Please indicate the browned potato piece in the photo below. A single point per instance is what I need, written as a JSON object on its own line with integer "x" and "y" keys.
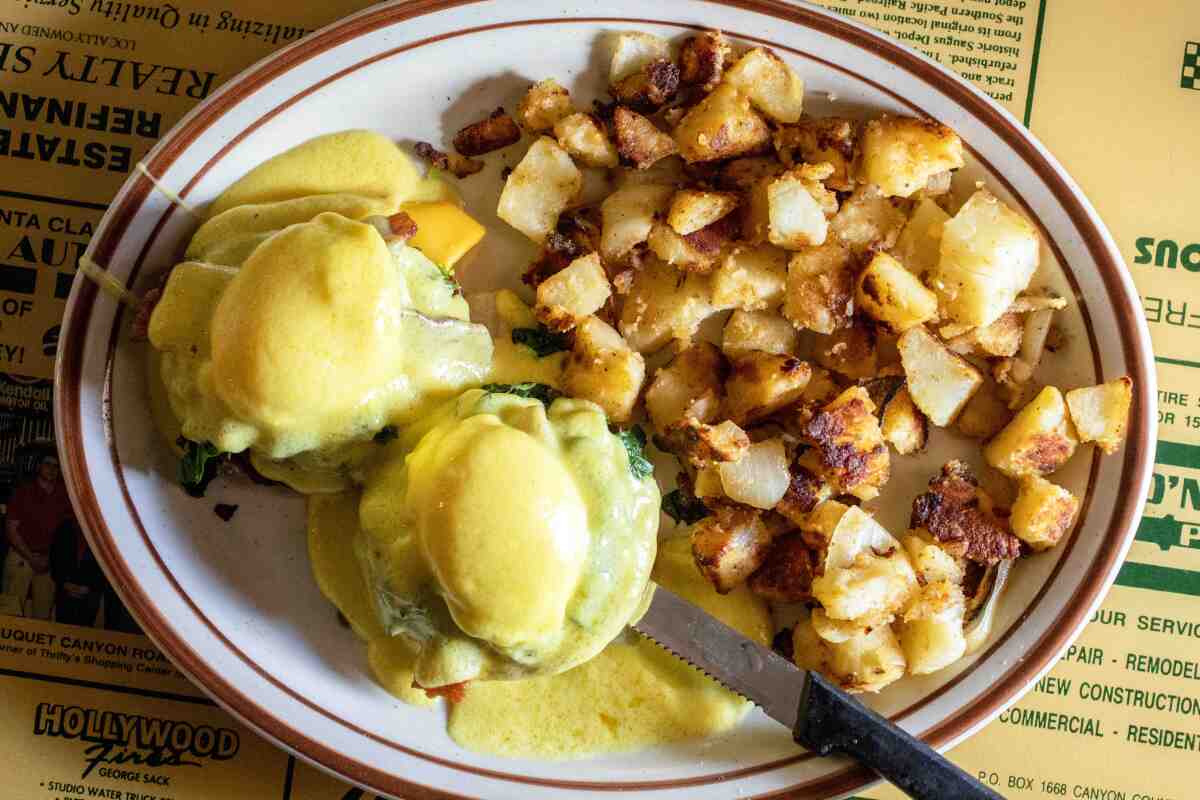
{"x": 901, "y": 154}
{"x": 817, "y": 140}
{"x": 572, "y": 294}
{"x": 869, "y": 221}
{"x": 730, "y": 545}
{"x": 1038, "y": 441}
{"x": 702, "y": 60}
{"x": 702, "y": 444}
{"x": 762, "y": 383}
{"x": 805, "y": 492}
{"x": 638, "y": 140}
{"x": 850, "y": 445}
{"x": 903, "y": 425}
{"x": 984, "y": 414}
{"x": 583, "y": 137}
{"x": 773, "y": 88}
{"x": 820, "y": 288}
{"x": 893, "y": 295}
{"x": 960, "y": 517}
{"x": 648, "y": 88}
{"x": 497, "y": 131}
{"x": 722, "y": 125}
{"x": 664, "y": 304}
{"x": 602, "y": 368}
{"x": 758, "y": 330}
{"x": 696, "y": 252}
{"x": 689, "y": 386}
{"x": 787, "y": 572}
{"x": 741, "y": 174}
{"x": 633, "y": 50}
{"x": 1101, "y": 413}
{"x": 918, "y": 247}
{"x": 1043, "y": 513}
{"x": 851, "y": 351}
{"x": 1000, "y": 338}
{"x": 693, "y": 209}
{"x": 543, "y": 105}
{"x": 751, "y": 278}
{"x": 627, "y": 216}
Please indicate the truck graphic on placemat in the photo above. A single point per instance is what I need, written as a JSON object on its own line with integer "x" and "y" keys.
{"x": 1168, "y": 532}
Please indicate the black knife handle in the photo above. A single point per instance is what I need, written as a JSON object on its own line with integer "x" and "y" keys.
{"x": 831, "y": 722}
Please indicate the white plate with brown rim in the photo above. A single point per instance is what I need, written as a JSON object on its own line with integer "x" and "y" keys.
{"x": 234, "y": 605}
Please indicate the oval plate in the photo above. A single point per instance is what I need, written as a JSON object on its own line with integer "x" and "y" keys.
{"x": 234, "y": 605}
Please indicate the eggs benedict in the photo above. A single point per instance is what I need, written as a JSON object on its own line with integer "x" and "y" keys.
{"x": 296, "y": 331}
{"x": 505, "y": 538}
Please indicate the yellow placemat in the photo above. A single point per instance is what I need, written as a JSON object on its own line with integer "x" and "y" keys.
{"x": 87, "y": 86}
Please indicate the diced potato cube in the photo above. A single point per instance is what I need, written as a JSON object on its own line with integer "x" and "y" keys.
{"x": 679, "y": 251}
{"x": 1100, "y": 413}
{"x": 627, "y": 215}
{"x": 1043, "y": 512}
{"x": 702, "y": 60}
{"x": 867, "y": 574}
{"x": 920, "y": 242}
{"x": 903, "y": 425}
{"x": 639, "y": 140}
{"x": 1038, "y": 441}
{"x": 893, "y": 295}
{"x": 602, "y": 368}
{"x": 633, "y": 50}
{"x": 860, "y": 660}
{"x": 703, "y": 444}
{"x": 930, "y": 560}
{"x": 650, "y": 87}
{"x": 849, "y": 444}
{"x": 868, "y": 220}
{"x": 795, "y": 212}
{"x": 572, "y": 294}
{"x": 722, "y": 125}
{"x": 758, "y": 330}
{"x": 584, "y": 138}
{"x": 985, "y": 413}
{"x": 741, "y": 174}
{"x": 543, "y": 105}
{"x": 820, "y": 288}
{"x": 539, "y": 189}
{"x": 931, "y": 630}
{"x": 772, "y": 86}
{"x": 901, "y": 154}
{"x": 693, "y": 209}
{"x": 729, "y": 545}
{"x": 760, "y": 477}
{"x": 821, "y": 140}
{"x": 690, "y": 385}
{"x": 751, "y": 278}
{"x": 988, "y": 256}
{"x": 762, "y": 383}
{"x": 851, "y": 351}
{"x": 939, "y": 381}
{"x": 664, "y": 304}
{"x": 787, "y": 572}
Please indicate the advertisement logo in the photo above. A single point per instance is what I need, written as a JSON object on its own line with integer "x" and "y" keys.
{"x": 117, "y": 742}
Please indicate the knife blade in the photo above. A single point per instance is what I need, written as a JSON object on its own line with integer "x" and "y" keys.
{"x": 821, "y": 716}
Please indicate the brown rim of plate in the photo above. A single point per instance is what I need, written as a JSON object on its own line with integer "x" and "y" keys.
{"x": 67, "y": 400}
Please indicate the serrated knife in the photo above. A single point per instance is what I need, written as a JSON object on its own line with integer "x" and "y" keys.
{"x": 822, "y": 718}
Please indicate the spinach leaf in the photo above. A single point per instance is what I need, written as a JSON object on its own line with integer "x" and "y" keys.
{"x": 198, "y": 466}
{"x": 386, "y": 434}
{"x": 683, "y": 506}
{"x": 634, "y": 440}
{"x": 541, "y": 340}
{"x": 537, "y": 391}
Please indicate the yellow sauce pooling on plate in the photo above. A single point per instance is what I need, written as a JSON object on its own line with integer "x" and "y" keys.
{"x": 633, "y": 695}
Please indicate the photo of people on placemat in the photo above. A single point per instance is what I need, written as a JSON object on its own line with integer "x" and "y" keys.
{"x": 49, "y": 572}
